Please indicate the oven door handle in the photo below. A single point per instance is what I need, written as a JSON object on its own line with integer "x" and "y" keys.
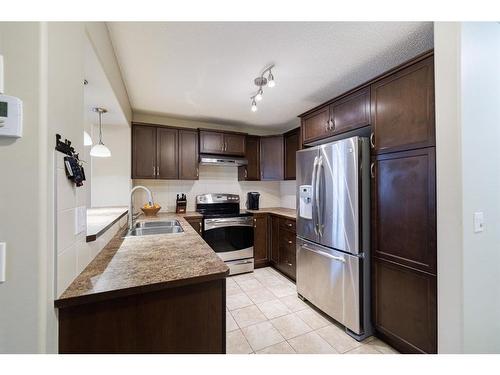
{"x": 224, "y": 224}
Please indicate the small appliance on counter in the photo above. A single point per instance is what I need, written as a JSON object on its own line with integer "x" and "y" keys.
{"x": 180, "y": 204}
{"x": 253, "y": 200}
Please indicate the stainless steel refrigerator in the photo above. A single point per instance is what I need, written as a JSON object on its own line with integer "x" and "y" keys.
{"x": 333, "y": 220}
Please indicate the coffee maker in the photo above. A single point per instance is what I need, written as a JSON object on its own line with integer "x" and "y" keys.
{"x": 253, "y": 200}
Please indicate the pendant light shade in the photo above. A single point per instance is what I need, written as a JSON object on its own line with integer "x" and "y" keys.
{"x": 100, "y": 150}
{"x": 87, "y": 140}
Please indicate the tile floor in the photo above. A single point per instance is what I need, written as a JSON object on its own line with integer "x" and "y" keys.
{"x": 265, "y": 316}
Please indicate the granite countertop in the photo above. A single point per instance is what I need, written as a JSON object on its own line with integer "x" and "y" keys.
{"x": 100, "y": 219}
{"x": 142, "y": 264}
{"x": 288, "y": 213}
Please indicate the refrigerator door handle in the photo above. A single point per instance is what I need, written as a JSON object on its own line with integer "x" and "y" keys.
{"x": 318, "y": 197}
{"x": 313, "y": 186}
{"x": 323, "y": 253}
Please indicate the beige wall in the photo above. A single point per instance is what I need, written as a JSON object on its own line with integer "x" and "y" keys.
{"x": 20, "y": 225}
{"x": 468, "y": 180}
{"x": 111, "y": 180}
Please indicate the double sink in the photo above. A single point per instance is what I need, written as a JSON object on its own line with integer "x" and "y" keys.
{"x": 147, "y": 228}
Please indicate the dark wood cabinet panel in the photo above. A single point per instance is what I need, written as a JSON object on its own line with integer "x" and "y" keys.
{"x": 196, "y": 223}
{"x": 402, "y": 106}
{"x": 351, "y": 112}
{"x": 405, "y": 208}
{"x": 251, "y": 172}
{"x": 271, "y": 158}
{"x": 316, "y": 125}
{"x": 181, "y": 320}
{"x": 211, "y": 142}
{"x": 234, "y": 144}
{"x": 274, "y": 245}
{"x": 188, "y": 155}
{"x": 405, "y": 307}
{"x": 287, "y": 253}
{"x": 292, "y": 144}
{"x": 260, "y": 247}
{"x": 167, "y": 153}
{"x": 143, "y": 152}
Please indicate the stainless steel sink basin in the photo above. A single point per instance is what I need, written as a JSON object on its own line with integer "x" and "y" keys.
{"x": 156, "y": 224}
{"x": 154, "y": 230}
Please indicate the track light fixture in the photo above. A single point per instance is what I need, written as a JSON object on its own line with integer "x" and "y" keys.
{"x": 260, "y": 81}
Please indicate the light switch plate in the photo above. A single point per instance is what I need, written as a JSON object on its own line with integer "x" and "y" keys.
{"x": 3, "y": 261}
{"x": 478, "y": 222}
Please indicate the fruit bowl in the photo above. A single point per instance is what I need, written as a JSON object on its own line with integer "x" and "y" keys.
{"x": 151, "y": 210}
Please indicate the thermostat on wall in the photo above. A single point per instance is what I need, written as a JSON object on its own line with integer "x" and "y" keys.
{"x": 11, "y": 112}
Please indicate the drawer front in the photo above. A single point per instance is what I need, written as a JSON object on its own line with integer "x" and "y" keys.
{"x": 287, "y": 224}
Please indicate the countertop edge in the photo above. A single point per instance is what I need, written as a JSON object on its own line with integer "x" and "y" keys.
{"x": 95, "y": 236}
{"x": 141, "y": 289}
{"x": 271, "y": 211}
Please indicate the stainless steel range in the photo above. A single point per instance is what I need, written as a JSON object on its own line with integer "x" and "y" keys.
{"x": 228, "y": 231}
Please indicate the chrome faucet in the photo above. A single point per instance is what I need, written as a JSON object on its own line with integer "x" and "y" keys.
{"x": 131, "y": 204}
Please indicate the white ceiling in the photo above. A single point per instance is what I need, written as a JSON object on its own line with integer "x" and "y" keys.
{"x": 205, "y": 71}
{"x": 99, "y": 93}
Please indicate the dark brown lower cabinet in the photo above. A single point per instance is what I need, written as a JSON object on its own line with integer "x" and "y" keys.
{"x": 260, "y": 247}
{"x": 405, "y": 307}
{"x": 196, "y": 223}
{"x": 187, "y": 319}
{"x": 282, "y": 247}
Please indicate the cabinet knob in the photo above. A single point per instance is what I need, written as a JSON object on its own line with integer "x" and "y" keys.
{"x": 290, "y": 242}
{"x": 289, "y": 224}
{"x": 246, "y": 173}
{"x": 372, "y": 170}
{"x": 372, "y": 141}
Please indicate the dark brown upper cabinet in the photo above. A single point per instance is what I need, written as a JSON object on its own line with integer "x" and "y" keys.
{"x": 188, "y": 155}
{"x": 144, "y": 152}
{"x": 161, "y": 152}
{"x": 347, "y": 113}
{"x": 271, "y": 158}
{"x": 404, "y": 208}
{"x": 292, "y": 145}
{"x": 402, "y": 107}
{"x": 315, "y": 125}
{"x": 167, "y": 151}
{"x": 222, "y": 143}
{"x": 251, "y": 171}
{"x": 351, "y": 112}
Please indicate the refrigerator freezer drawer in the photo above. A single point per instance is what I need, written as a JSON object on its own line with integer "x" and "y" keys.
{"x": 330, "y": 280}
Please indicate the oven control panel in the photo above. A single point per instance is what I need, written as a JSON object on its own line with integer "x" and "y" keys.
{"x": 217, "y": 198}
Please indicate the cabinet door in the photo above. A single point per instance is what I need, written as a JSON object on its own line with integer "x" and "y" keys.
{"x": 271, "y": 158}
{"x": 234, "y": 144}
{"x": 167, "y": 152}
{"x": 251, "y": 172}
{"x": 351, "y": 112}
{"x": 275, "y": 240}
{"x": 405, "y": 307}
{"x": 316, "y": 125}
{"x": 260, "y": 248}
{"x": 402, "y": 108}
{"x": 405, "y": 208}
{"x": 211, "y": 142}
{"x": 292, "y": 142}
{"x": 188, "y": 155}
{"x": 287, "y": 253}
{"x": 143, "y": 152}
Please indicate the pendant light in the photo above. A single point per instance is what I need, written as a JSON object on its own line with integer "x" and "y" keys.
{"x": 99, "y": 150}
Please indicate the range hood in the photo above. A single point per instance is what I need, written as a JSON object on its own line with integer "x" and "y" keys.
{"x": 226, "y": 161}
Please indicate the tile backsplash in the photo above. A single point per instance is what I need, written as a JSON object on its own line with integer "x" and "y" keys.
{"x": 216, "y": 179}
